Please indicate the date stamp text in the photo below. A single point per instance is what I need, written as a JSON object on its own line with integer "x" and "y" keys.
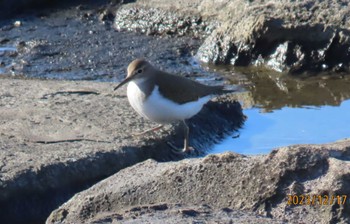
{"x": 316, "y": 199}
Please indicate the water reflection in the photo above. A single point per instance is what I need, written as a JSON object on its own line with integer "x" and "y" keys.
{"x": 272, "y": 90}
{"x": 287, "y": 110}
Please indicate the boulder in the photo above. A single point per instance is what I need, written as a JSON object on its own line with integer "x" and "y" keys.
{"x": 297, "y": 184}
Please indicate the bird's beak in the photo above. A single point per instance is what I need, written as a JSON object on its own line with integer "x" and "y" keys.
{"x": 126, "y": 80}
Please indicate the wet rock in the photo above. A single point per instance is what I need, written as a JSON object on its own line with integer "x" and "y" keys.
{"x": 59, "y": 137}
{"x": 259, "y": 184}
{"x": 80, "y": 43}
{"x": 285, "y": 36}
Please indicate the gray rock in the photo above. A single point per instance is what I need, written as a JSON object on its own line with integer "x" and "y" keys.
{"x": 260, "y": 185}
{"x": 289, "y": 36}
{"x": 161, "y": 22}
{"x": 59, "y": 137}
{"x": 179, "y": 213}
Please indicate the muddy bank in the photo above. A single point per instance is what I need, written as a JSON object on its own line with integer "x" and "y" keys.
{"x": 59, "y": 137}
{"x": 287, "y": 36}
{"x": 260, "y": 185}
{"x": 79, "y": 42}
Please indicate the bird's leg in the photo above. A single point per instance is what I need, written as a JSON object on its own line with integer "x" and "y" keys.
{"x": 186, "y": 133}
{"x": 148, "y": 130}
{"x": 186, "y": 140}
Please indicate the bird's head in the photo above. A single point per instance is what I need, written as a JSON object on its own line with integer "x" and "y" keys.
{"x": 137, "y": 69}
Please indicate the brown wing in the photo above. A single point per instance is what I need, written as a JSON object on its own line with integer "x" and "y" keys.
{"x": 183, "y": 90}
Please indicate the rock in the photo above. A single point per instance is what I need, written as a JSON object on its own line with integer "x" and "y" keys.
{"x": 287, "y": 36}
{"x": 160, "y": 22}
{"x": 178, "y": 213}
{"x": 258, "y": 184}
{"x": 59, "y": 137}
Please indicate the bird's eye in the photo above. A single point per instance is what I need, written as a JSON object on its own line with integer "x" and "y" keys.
{"x": 139, "y": 71}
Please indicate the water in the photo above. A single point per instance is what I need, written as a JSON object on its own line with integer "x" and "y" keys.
{"x": 4, "y": 49}
{"x": 264, "y": 131}
{"x": 282, "y": 110}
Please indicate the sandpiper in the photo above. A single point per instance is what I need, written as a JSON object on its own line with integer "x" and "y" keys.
{"x": 164, "y": 98}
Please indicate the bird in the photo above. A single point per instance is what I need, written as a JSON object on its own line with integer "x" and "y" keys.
{"x": 165, "y": 98}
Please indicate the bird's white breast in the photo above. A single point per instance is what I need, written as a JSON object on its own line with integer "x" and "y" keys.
{"x": 157, "y": 108}
{"x": 136, "y": 97}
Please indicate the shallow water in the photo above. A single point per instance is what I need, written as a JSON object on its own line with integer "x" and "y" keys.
{"x": 4, "y": 49}
{"x": 284, "y": 110}
{"x": 264, "y": 131}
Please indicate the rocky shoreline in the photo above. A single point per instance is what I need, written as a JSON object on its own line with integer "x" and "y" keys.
{"x": 285, "y": 36}
{"x": 59, "y": 138}
{"x": 228, "y": 182}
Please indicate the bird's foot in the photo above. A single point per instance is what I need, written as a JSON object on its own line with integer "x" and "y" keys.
{"x": 180, "y": 151}
{"x": 148, "y": 130}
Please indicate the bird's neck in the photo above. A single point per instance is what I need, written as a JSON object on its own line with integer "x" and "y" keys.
{"x": 146, "y": 85}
